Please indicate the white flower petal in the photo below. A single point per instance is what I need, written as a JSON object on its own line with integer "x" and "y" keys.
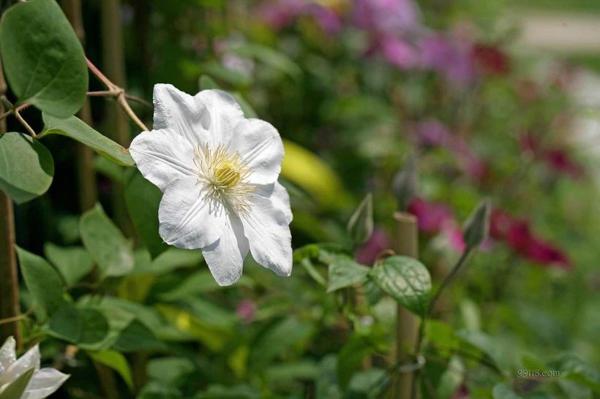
{"x": 187, "y": 219}
{"x": 43, "y": 383}
{"x": 223, "y": 114}
{"x": 261, "y": 148}
{"x": 8, "y": 354}
{"x": 179, "y": 111}
{"x": 31, "y": 359}
{"x": 225, "y": 257}
{"x": 163, "y": 156}
{"x": 266, "y": 226}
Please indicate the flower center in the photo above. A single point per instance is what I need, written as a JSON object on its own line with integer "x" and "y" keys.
{"x": 227, "y": 175}
{"x": 224, "y": 173}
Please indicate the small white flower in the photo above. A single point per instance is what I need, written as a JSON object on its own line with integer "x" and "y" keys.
{"x": 43, "y": 382}
{"x": 218, "y": 173}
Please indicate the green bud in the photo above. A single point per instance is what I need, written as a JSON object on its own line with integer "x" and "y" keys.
{"x": 404, "y": 185}
{"x": 477, "y": 225}
{"x": 360, "y": 225}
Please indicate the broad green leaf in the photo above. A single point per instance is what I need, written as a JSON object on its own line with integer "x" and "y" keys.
{"x": 82, "y": 326}
{"x": 310, "y": 173}
{"x": 208, "y": 83}
{"x": 406, "y": 280}
{"x": 17, "y": 387}
{"x": 105, "y": 242}
{"x": 115, "y": 361}
{"x": 196, "y": 284}
{"x": 171, "y": 259}
{"x": 42, "y": 281}
{"x": 351, "y": 356}
{"x": 43, "y": 59}
{"x": 78, "y": 130}
{"x": 26, "y": 167}
{"x": 287, "y": 372}
{"x": 226, "y": 75}
{"x": 142, "y": 199}
{"x": 229, "y": 392}
{"x": 345, "y": 272}
{"x": 169, "y": 370}
{"x": 137, "y": 337}
{"x": 451, "y": 379}
{"x": 73, "y": 263}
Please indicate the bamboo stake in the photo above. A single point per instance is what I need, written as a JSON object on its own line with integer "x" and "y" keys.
{"x": 407, "y": 324}
{"x": 9, "y": 281}
{"x": 113, "y": 60}
{"x": 86, "y": 175}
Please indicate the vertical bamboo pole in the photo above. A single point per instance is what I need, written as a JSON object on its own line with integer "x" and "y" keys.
{"x": 9, "y": 281}
{"x": 113, "y": 61}
{"x": 407, "y": 324}
{"x": 88, "y": 193}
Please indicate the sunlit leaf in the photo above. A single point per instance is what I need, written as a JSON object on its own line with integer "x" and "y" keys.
{"x": 80, "y": 131}
{"x": 43, "y": 59}
{"x": 406, "y": 280}
{"x": 26, "y": 167}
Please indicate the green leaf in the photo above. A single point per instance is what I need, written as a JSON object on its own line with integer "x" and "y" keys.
{"x": 279, "y": 339}
{"x": 42, "y": 281}
{"x": 345, "y": 272}
{"x": 137, "y": 337}
{"x": 81, "y": 326}
{"x": 360, "y": 225}
{"x": 43, "y": 59}
{"x": 26, "y": 167}
{"x": 208, "y": 83}
{"x": 115, "y": 361}
{"x": 406, "y": 280}
{"x": 350, "y": 357}
{"x": 196, "y": 284}
{"x": 270, "y": 57}
{"x": 17, "y": 388}
{"x": 105, "y": 242}
{"x": 73, "y": 263}
{"x": 80, "y": 131}
{"x": 142, "y": 199}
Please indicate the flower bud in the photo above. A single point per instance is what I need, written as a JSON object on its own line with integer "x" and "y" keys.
{"x": 476, "y": 227}
{"x": 360, "y": 225}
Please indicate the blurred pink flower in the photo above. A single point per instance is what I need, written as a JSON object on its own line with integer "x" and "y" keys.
{"x": 436, "y": 218}
{"x": 387, "y": 17}
{"x": 560, "y": 161}
{"x": 517, "y": 234}
{"x": 375, "y": 245}
{"x": 450, "y": 56}
{"x": 283, "y": 13}
{"x": 398, "y": 52}
{"x": 432, "y": 133}
{"x": 246, "y": 311}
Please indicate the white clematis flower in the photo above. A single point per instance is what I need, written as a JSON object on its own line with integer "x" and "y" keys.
{"x": 43, "y": 382}
{"x": 218, "y": 173}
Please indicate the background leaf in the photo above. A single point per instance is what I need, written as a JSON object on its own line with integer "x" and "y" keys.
{"x": 43, "y": 282}
{"x": 406, "y": 280}
{"x": 142, "y": 199}
{"x": 345, "y": 272}
{"x": 26, "y": 167}
{"x": 43, "y": 59}
{"x": 73, "y": 262}
{"x": 105, "y": 242}
{"x": 115, "y": 361}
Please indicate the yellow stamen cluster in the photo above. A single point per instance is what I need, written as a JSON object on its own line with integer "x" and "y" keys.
{"x": 225, "y": 174}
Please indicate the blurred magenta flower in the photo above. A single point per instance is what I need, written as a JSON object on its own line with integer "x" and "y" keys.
{"x": 517, "y": 234}
{"x": 246, "y": 311}
{"x": 560, "y": 161}
{"x": 432, "y": 133}
{"x": 491, "y": 59}
{"x": 280, "y": 14}
{"x": 375, "y": 245}
{"x": 387, "y": 17}
{"x": 437, "y": 218}
{"x": 398, "y": 52}
{"x": 450, "y": 56}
